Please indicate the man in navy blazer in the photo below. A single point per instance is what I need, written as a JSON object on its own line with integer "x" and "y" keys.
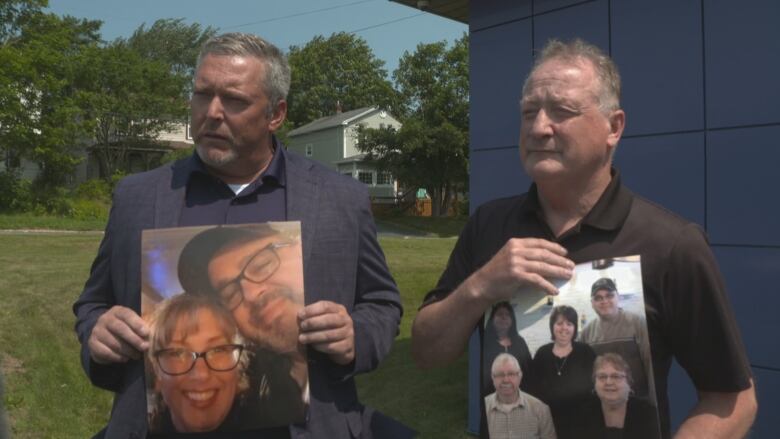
{"x": 241, "y": 174}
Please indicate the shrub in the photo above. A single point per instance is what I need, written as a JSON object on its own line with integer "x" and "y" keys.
{"x": 85, "y": 209}
{"x": 15, "y": 193}
{"x": 54, "y": 201}
{"x": 95, "y": 189}
{"x": 118, "y": 175}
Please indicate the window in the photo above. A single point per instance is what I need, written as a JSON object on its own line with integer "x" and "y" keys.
{"x": 347, "y": 173}
{"x": 384, "y": 178}
{"x": 309, "y": 149}
{"x": 366, "y": 177}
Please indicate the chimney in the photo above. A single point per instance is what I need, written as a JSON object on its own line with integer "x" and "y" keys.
{"x": 338, "y": 107}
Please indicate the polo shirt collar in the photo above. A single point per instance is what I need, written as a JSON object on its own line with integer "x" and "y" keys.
{"x": 609, "y": 212}
{"x": 274, "y": 172}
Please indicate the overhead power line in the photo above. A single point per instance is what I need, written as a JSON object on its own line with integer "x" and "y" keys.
{"x": 385, "y": 23}
{"x": 299, "y": 14}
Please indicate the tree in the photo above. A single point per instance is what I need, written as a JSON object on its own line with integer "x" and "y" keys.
{"x": 40, "y": 108}
{"x": 128, "y": 101}
{"x": 138, "y": 87}
{"x": 340, "y": 69}
{"x": 172, "y": 42}
{"x": 13, "y": 13}
{"x": 62, "y": 89}
{"x": 431, "y": 148}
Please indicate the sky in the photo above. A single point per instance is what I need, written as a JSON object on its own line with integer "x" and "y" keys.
{"x": 388, "y": 28}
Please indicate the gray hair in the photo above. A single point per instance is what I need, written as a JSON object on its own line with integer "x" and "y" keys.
{"x": 578, "y": 50}
{"x": 617, "y": 362}
{"x": 277, "y": 75}
{"x": 505, "y": 358}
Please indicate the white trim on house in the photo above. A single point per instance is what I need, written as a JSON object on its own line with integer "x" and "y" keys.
{"x": 353, "y": 118}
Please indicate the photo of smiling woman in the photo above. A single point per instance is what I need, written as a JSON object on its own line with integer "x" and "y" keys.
{"x": 198, "y": 362}
{"x": 501, "y": 336}
{"x": 615, "y": 413}
{"x": 562, "y": 371}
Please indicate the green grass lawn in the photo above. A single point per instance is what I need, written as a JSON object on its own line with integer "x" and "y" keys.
{"x": 48, "y": 395}
{"x": 442, "y": 227}
{"x": 15, "y": 221}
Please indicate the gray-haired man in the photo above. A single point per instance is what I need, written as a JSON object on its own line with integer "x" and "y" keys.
{"x": 577, "y": 211}
{"x": 512, "y": 413}
{"x": 242, "y": 174}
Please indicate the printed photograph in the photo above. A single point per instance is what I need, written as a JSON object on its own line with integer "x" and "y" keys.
{"x": 575, "y": 365}
{"x": 222, "y": 304}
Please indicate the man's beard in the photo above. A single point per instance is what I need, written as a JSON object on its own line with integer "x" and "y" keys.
{"x": 217, "y": 158}
{"x": 278, "y": 337}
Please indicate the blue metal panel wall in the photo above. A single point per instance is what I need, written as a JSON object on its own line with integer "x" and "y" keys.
{"x": 700, "y": 92}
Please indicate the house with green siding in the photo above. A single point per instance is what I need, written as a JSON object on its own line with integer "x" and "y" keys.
{"x": 332, "y": 141}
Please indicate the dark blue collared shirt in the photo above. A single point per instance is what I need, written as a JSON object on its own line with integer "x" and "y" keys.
{"x": 209, "y": 201}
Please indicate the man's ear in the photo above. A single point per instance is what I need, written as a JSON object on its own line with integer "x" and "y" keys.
{"x": 278, "y": 116}
{"x": 617, "y": 122}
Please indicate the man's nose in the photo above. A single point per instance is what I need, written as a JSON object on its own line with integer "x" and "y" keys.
{"x": 215, "y": 109}
{"x": 251, "y": 290}
{"x": 541, "y": 125}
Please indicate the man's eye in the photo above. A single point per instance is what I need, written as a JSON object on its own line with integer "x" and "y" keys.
{"x": 235, "y": 102}
{"x": 529, "y": 113}
{"x": 229, "y": 291}
{"x": 260, "y": 267}
{"x": 563, "y": 112}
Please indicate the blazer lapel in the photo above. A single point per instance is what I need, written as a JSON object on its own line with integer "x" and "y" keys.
{"x": 302, "y": 200}
{"x": 170, "y": 196}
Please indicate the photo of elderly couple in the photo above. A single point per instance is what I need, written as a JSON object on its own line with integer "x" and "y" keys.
{"x": 220, "y": 360}
{"x": 575, "y": 365}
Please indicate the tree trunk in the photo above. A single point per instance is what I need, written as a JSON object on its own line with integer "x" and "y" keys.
{"x": 435, "y": 195}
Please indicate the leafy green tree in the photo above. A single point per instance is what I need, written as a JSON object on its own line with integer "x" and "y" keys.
{"x": 40, "y": 108}
{"x": 340, "y": 69}
{"x": 62, "y": 89}
{"x": 128, "y": 101}
{"x": 13, "y": 13}
{"x": 431, "y": 149}
{"x": 171, "y": 41}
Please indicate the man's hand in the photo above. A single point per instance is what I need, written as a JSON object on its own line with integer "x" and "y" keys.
{"x": 119, "y": 335}
{"x": 328, "y": 328}
{"x": 441, "y": 330}
{"x": 521, "y": 263}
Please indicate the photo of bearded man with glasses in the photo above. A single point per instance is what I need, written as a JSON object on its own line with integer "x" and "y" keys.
{"x": 256, "y": 273}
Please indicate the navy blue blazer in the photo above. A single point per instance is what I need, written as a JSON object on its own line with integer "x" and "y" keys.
{"x": 342, "y": 263}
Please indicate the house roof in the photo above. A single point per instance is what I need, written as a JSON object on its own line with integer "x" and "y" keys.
{"x": 457, "y": 10}
{"x": 322, "y": 123}
{"x": 350, "y": 159}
